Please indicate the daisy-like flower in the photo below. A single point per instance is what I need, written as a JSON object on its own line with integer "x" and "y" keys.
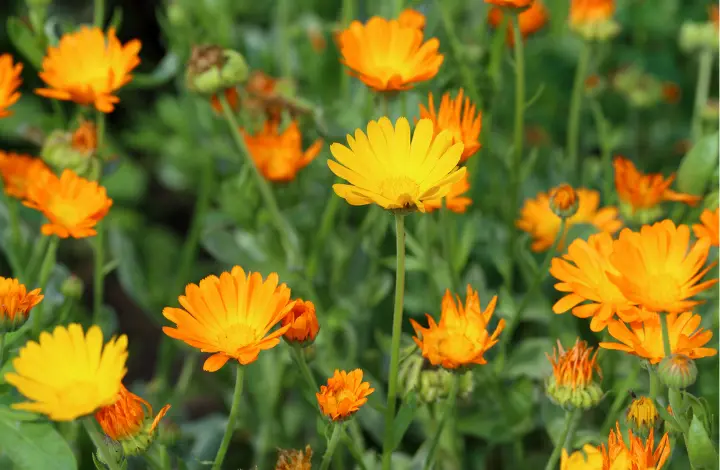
{"x": 530, "y": 20}
{"x": 461, "y": 338}
{"x": 388, "y": 56}
{"x": 15, "y": 303}
{"x": 589, "y": 458}
{"x": 69, "y": 374}
{"x": 644, "y": 339}
{"x": 279, "y": 155}
{"x": 591, "y": 11}
{"x": 10, "y": 81}
{"x": 88, "y": 68}
{"x": 72, "y": 205}
{"x": 412, "y": 19}
{"x": 572, "y": 383}
{"x": 454, "y": 199}
{"x": 294, "y": 459}
{"x": 459, "y": 118}
{"x": 344, "y": 394}
{"x": 709, "y": 226}
{"x": 538, "y": 219}
{"x": 231, "y": 316}
{"x": 638, "y": 455}
{"x": 18, "y": 171}
{"x": 386, "y": 168}
{"x": 655, "y": 269}
{"x": 303, "y": 322}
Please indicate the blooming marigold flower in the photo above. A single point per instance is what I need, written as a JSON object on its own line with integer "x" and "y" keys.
{"x": 386, "y": 168}
{"x": 387, "y": 56}
{"x": 638, "y": 456}
{"x": 457, "y": 117}
{"x": 15, "y": 303}
{"x": 294, "y": 459}
{"x": 343, "y": 395}
{"x": 591, "y": 11}
{"x": 530, "y": 21}
{"x": 644, "y": 339}
{"x": 410, "y": 18}
{"x": 230, "y": 316}
{"x": 655, "y": 269}
{"x": 87, "y": 68}
{"x": 589, "y": 458}
{"x": 69, "y": 374}
{"x": 303, "y": 322}
{"x": 709, "y": 227}
{"x": 572, "y": 383}
{"x": 18, "y": 171}
{"x": 461, "y": 338}
{"x": 10, "y": 81}
{"x": 73, "y": 205}
{"x": 538, "y": 219}
{"x": 454, "y": 199}
{"x": 278, "y": 155}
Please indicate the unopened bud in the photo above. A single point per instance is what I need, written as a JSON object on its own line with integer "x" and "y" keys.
{"x": 641, "y": 416}
{"x": 698, "y": 36}
{"x": 564, "y": 201}
{"x": 72, "y": 287}
{"x": 73, "y": 150}
{"x": 212, "y": 69}
{"x": 600, "y": 31}
{"x": 677, "y": 371}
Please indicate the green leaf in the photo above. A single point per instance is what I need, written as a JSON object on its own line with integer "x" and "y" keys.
{"x": 698, "y": 166}
{"x": 32, "y": 446}
{"x": 130, "y": 272}
{"x": 528, "y": 359}
{"x": 405, "y": 416}
{"x": 8, "y": 414}
{"x": 25, "y": 41}
{"x": 464, "y": 246}
{"x": 701, "y": 450}
{"x": 163, "y": 73}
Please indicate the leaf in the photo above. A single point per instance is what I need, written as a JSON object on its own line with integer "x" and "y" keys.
{"x": 404, "y": 418}
{"x": 698, "y": 166}
{"x": 163, "y": 73}
{"x": 464, "y": 246}
{"x": 25, "y": 41}
{"x": 701, "y": 450}
{"x": 582, "y": 231}
{"x": 32, "y": 446}
{"x": 130, "y": 272}
{"x": 528, "y": 359}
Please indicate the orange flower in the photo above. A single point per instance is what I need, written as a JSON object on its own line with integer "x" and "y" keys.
{"x": 454, "y": 199}
{"x": 644, "y": 191}
{"x": 230, "y": 316}
{"x": 294, "y": 459}
{"x": 564, "y": 200}
{"x": 709, "y": 226}
{"x": 344, "y": 394}
{"x": 84, "y": 139}
{"x": 15, "y": 303}
{"x": 655, "y": 269}
{"x": 530, "y": 20}
{"x": 9, "y": 83}
{"x": 538, "y": 219}
{"x": 639, "y": 456}
{"x": 388, "y": 56}
{"x": 576, "y": 367}
{"x": 18, "y": 171}
{"x": 644, "y": 339}
{"x": 591, "y": 11}
{"x": 303, "y": 322}
{"x": 279, "y": 156}
{"x": 461, "y": 338}
{"x": 87, "y": 68}
{"x": 510, "y": 3}
{"x": 126, "y": 417}
{"x": 410, "y": 18}
{"x": 457, "y": 117}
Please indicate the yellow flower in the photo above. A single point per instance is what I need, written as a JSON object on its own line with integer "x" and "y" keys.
{"x": 641, "y": 415}
{"x": 388, "y": 56}
{"x": 709, "y": 226}
{"x": 18, "y": 171}
{"x": 638, "y": 456}
{"x": 454, "y": 199}
{"x": 459, "y": 118}
{"x": 69, "y": 374}
{"x": 385, "y": 168}
{"x": 591, "y": 11}
{"x": 530, "y": 20}
{"x": 589, "y": 458}
{"x": 294, "y": 459}
{"x": 644, "y": 339}
{"x": 461, "y": 338}
{"x": 231, "y": 316}
{"x": 410, "y": 18}
{"x": 10, "y": 81}
{"x": 15, "y": 303}
{"x": 343, "y": 395}
{"x": 303, "y": 322}
{"x": 87, "y": 68}
{"x": 655, "y": 269}
{"x": 538, "y": 219}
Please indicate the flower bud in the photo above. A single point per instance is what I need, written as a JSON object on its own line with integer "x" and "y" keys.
{"x": 212, "y": 69}
{"x": 15, "y": 304}
{"x": 75, "y": 151}
{"x": 466, "y": 385}
{"x": 564, "y": 201}
{"x": 709, "y": 112}
{"x": 698, "y": 36}
{"x": 600, "y": 31}
{"x": 292, "y": 459}
{"x": 72, "y": 287}
{"x": 572, "y": 384}
{"x": 410, "y": 369}
{"x": 303, "y": 322}
{"x": 677, "y": 371}
{"x": 641, "y": 416}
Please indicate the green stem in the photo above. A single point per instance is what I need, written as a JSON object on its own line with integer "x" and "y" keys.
{"x": 705, "y": 70}
{"x": 165, "y": 463}
{"x": 447, "y": 416}
{"x": 497, "y": 47}
{"x": 99, "y": 13}
{"x": 234, "y": 410}
{"x": 395, "y": 342}
{"x": 355, "y": 451}
{"x": 283, "y": 30}
{"x": 655, "y": 385}
{"x": 606, "y": 151}
{"x": 447, "y": 246}
{"x": 39, "y": 250}
{"x": 301, "y": 363}
{"x": 667, "y": 348}
{"x": 98, "y": 271}
{"x": 99, "y": 440}
{"x": 100, "y": 135}
{"x": 332, "y": 445}
{"x": 575, "y": 108}
{"x": 570, "y": 417}
{"x": 45, "y": 270}
{"x": 2, "y": 348}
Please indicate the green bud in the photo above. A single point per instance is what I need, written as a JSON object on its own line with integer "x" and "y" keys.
{"x": 600, "y": 31}
{"x": 564, "y": 201}
{"x": 640, "y": 216}
{"x": 677, "y": 371}
{"x": 698, "y": 36}
{"x": 72, "y": 287}
{"x": 466, "y": 385}
{"x": 582, "y": 397}
{"x": 410, "y": 369}
{"x": 213, "y": 69}
{"x": 64, "y": 150}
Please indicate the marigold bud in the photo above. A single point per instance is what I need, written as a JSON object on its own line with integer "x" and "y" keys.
{"x": 294, "y": 459}
{"x": 212, "y": 69}
{"x": 564, "y": 201}
{"x": 601, "y": 30}
{"x": 72, "y": 287}
{"x": 677, "y": 371}
{"x": 698, "y": 36}
{"x": 15, "y": 304}
{"x": 641, "y": 416}
{"x": 303, "y": 322}
{"x": 572, "y": 384}
{"x": 75, "y": 151}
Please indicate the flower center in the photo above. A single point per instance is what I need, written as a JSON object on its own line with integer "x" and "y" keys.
{"x": 402, "y": 191}
{"x": 238, "y": 336}
{"x": 66, "y": 212}
{"x": 662, "y": 290}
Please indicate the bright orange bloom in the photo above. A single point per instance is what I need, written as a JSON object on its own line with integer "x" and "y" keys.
{"x": 655, "y": 269}
{"x": 412, "y": 19}
{"x": 457, "y": 117}
{"x": 84, "y": 138}
{"x": 510, "y": 3}
{"x": 461, "y": 338}
{"x": 538, "y": 219}
{"x": 531, "y": 20}
{"x": 644, "y": 339}
{"x": 86, "y": 67}
{"x": 126, "y": 417}
{"x": 388, "y": 56}
{"x": 639, "y": 456}
{"x": 303, "y": 322}
{"x": 591, "y": 11}
{"x": 344, "y": 394}
{"x": 72, "y": 204}
{"x": 294, "y": 459}
{"x": 644, "y": 191}
{"x": 279, "y": 156}
{"x": 15, "y": 303}
{"x": 10, "y": 81}
{"x": 576, "y": 367}
{"x": 18, "y": 171}
{"x": 230, "y": 316}
{"x": 454, "y": 199}
{"x": 709, "y": 227}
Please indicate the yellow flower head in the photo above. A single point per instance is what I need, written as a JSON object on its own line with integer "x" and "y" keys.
{"x": 86, "y": 67}
{"x": 69, "y": 374}
{"x": 128, "y": 416}
{"x": 386, "y": 168}
{"x": 591, "y": 11}
{"x": 10, "y": 81}
{"x": 461, "y": 338}
{"x": 410, "y": 18}
{"x": 589, "y": 458}
{"x": 388, "y": 56}
{"x": 644, "y": 339}
{"x": 454, "y": 199}
{"x": 641, "y": 415}
{"x": 343, "y": 395}
{"x": 709, "y": 226}
{"x": 294, "y": 459}
{"x": 15, "y": 303}
{"x": 303, "y": 322}
{"x": 18, "y": 171}
{"x": 459, "y": 118}
{"x": 655, "y": 269}
{"x": 638, "y": 456}
{"x": 231, "y": 316}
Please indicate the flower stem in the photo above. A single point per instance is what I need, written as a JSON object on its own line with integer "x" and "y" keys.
{"x": 99, "y": 13}
{"x": 570, "y": 418}
{"x": 702, "y": 88}
{"x": 355, "y": 451}
{"x": 447, "y": 415}
{"x": 601, "y": 125}
{"x": 575, "y": 108}
{"x": 395, "y": 342}
{"x": 38, "y": 251}
{"x": 99, "y": 440}
{"x": 45, "y": 270}
{"x": 283, "y": 31}
{"x": 2, "y": 348}
{"x": 98, "y": 271}
{"x": 332, "y": 445}
{"x": 655, "y": 385}
{"x": 234, "y": 410}
{"x": 667, "y": 348}
{"x": 447, "y": 245}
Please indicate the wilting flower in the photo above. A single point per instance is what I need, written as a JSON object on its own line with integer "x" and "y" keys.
{"x": 279, "y": 155}
{"x": 343, "y": 395}
{"x": 18, "y": 171}
{"x": 641, "y": 415}
{"x": 461, "y": 338}
{"x": 212, "y": 69}
{"x": 638, "y": 456}
{"x": 572, "y": 383}
{"x": 15, "y": 303}
{"x": 230, "y": 316}
{"x": 511, "y": 3}
{"x": 10, "y": 81}
{"x": 530, "y": 21}
{"x": 366, "y": 51}
{"x": 303, "y": 322}
{"x": 459, "y": 118}
{"x": 655, "y": 269}
{"x": 410, "y": 18}
{"x": 87, "y": 68}
{"x": 538, "y": 219}
{"x": 709, "y": 226}
{"x": 69, "y": 374}
{"x": 386, "y": 168}
{"x": 589, "y": 458}
{"x": 564, "y": 201}
{"x": 72, "y": 205}
{"x": 454, "y": 199}
{"x": 644, "y": 339}
{"x": 294, "y": 459}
